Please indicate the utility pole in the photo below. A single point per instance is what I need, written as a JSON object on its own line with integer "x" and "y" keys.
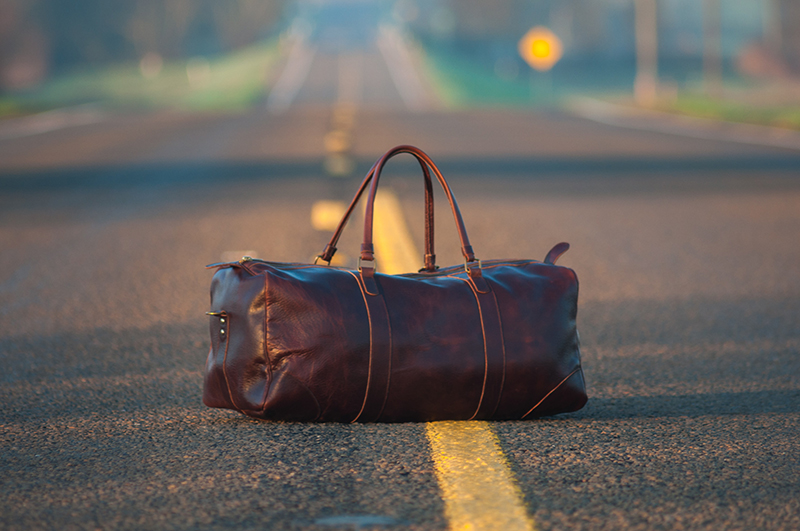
{"x": 712, "y": 48}
{"x": 645, "y": 87}
{"x": 773, "y": 30}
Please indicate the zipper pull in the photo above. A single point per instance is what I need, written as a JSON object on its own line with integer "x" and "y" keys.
{"x": 246, "y": 258}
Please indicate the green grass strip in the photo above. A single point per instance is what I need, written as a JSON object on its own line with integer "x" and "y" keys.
{"x": 232, "y": 82}
{"x": 732, "y": 110}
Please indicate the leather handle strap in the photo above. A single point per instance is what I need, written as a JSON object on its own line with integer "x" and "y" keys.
{"x": 367, "y": 250}
{"x": 430, "y": 256}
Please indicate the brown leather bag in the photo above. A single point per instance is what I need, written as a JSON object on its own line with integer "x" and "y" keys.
{"x": 491, "y": 339}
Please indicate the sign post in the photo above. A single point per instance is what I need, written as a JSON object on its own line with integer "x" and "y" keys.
{"x": 541, "y": 49}
{"x": 645, "y": 87}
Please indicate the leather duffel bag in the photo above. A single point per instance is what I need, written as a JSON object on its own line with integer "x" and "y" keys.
{"x": 491, "y": 339}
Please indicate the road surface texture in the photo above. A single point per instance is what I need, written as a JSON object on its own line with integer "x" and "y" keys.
{"x": 689, "y": 262}
{"x": 687, "y": 251}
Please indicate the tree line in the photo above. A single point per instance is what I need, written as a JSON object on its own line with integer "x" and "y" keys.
{"x": 39, "y": 37}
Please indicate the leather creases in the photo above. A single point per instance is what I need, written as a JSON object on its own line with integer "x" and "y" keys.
{"x": 487, "y": 339}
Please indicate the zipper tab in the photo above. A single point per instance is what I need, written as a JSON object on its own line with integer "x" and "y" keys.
{"x": 246, "y": 259}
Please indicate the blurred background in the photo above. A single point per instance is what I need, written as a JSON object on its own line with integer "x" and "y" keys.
{"x": 732, "y": 59}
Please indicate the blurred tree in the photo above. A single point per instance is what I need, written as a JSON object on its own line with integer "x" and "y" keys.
{"x": 241, "y": 22}
{"x": 773, "y": 32}
{"x": 789, "y": 13}
{"x": 645, "y": 86}
{"x": 38, "y": 36}
{"x": 24, "y": 57}
{"x": 477, "y": 18}
{"x": 159, "y": 26}
{"x": 85, "y": 32}
{"x": 712, "y": 48}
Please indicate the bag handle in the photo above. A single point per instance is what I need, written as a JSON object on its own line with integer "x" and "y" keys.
{"x": 430, "y": 256}
{"x": 367, "y": 249}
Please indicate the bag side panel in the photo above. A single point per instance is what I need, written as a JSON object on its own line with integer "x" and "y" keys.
{"x": 438, "y": 360}
{"x": 239, "y": 375}
{"x": 319, "y": 344}
{"x": 538, "y": 305}
{"x": 215, "y": 388}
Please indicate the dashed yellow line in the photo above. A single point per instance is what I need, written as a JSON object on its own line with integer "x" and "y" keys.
{"x": 478, "y": 487}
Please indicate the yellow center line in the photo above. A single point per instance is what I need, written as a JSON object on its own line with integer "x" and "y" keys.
{"x": 478, "y": 488}
{"x": 395, "y": 251}
{"x": 325, "y": 215}
{"x": 477, "y": 485}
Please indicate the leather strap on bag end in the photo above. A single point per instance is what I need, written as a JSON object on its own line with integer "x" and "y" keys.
{"x": 556, "y": 252}
{"x": 380, "y": 350}
{"x": 367, "y": 274}
{"x": 475, "y": 276}
{"x": 494, "y": 352}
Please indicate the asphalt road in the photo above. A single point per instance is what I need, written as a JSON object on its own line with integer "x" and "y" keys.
{"x": 687, "y": 251}
{"x": 689, "y": 314}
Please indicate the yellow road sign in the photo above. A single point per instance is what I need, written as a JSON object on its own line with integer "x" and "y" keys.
{"x": 540, "y": 48}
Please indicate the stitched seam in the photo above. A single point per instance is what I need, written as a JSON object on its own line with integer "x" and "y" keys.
{"x": 488, "y": 289}
{"x": 290, "y": 266}
{"x": 366, "y": 290}
{"x": 225, "y": 364}
{"x": 492, "y": 266}
{"x": 485, "y": 348}
{"x": 503, "y": 350}
{"x": 583, "y": 378}
{"x": 369, "y": 369}
{"x": 389, "y": 377}
{"x": 570, "y": 375}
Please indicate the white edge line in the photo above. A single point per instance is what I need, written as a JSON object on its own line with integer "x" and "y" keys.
{"x": 48, "y": 121}
{"x": 401, "y": 69}
{"x": 688, "y": 126}
{"x": 294, "y": 74}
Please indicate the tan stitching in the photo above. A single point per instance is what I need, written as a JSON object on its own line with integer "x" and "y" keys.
{"x": 389, "y": 378}
{"x": 485, "y": 346}
{"x": 503, "y": 345}
{"x": 576, "y": 369}
{"x": 455, "y": 274}
{"x": 369, "y": 367}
